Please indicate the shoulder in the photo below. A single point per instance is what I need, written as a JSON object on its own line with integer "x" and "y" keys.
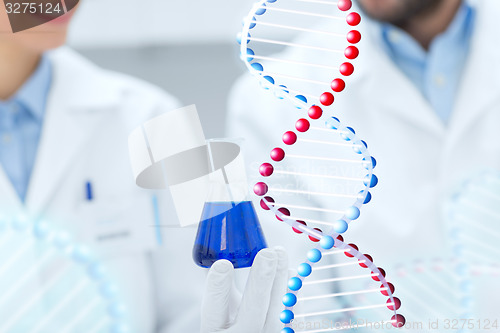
{"x": 94, "y": 87}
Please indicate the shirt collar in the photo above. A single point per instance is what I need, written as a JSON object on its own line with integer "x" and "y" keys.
{"x": 34, "y": 92}
{"x": 399, "y": 43}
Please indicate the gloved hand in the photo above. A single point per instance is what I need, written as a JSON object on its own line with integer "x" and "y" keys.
{"x": 261, "y": 303}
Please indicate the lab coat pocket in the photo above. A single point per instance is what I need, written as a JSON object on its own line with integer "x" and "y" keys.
{"x": 118, "y": 225}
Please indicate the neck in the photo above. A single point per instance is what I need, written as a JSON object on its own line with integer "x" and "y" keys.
{"x": 426, "y": 26}
{"x": 16, "y": 66}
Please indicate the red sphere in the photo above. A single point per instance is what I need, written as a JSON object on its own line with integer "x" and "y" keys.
{"x": 266, "y": 169}
{"x": 297, "y": 230}
{"x": 395, "y": 306}
{"x": 365, "y": 264}
{"x": 289, "y": 138}
{"x": 353, "y": 37}
{"x": 260, "y": 188}
{"x": 386, "y": 292}
{"x": 350, "y": 255}
{"x": 376, "y": 277}
{"x": 338, "y": 85}
{"x": 277, "y": 154}
{"x": 353, "y": 19}
{"x": 346, "y": 69}
{"x": 302, "y": 125}
{"x": 283, "y": 211}
{"x": 340, "y": 238}
{"x": 344, "y": 5}
{"x": 264, "y": 204}
{"x": 326, "y": 99}
{"x": 315, "y": 112}
{"x": 351, "y": 52}
{"x": 314, "y": 239}
{"x": 398, "y": 321}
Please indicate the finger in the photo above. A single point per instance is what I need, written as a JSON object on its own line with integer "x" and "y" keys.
{"x": 215, "y": 306}
{"x": 279, "y": 288}
{"x": 255, "y": 301}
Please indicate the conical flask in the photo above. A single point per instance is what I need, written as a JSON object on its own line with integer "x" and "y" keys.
{"x": 229, "y": 227}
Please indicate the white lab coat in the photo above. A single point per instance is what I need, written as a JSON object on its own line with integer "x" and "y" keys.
{"x": 90, "y": 113}
{"x": 419, "y": 158}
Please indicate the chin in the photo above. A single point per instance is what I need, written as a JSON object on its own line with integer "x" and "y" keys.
{"x": 383, "y": 10}
{"x": 40, "y": 41}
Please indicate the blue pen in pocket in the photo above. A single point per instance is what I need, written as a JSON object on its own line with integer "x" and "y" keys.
{"x": 89, "y": 195}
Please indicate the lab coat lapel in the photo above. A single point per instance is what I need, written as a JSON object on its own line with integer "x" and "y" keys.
{"x": 392, "y": 91}
{"x": 77, "y": 105}
{"x": 10, "y": 201}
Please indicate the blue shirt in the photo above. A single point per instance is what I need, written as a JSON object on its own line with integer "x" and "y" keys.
{"x": 21, "y": 119}
{"x": 436, "y": 72}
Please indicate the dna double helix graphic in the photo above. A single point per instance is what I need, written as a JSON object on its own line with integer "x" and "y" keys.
{"x": 472, "y": 220}
{"x": 49, "y": 284}
{"x": 319, "y": 178}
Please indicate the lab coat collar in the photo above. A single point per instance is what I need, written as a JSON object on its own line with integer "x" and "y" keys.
{"x": 79, "y": 100}
{"x": 476, "y": 95}
{"x": 82, "y": 83}
{"x": 394, "y": 92}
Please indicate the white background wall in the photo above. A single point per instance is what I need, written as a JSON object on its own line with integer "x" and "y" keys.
{"x": 112, "y": 23}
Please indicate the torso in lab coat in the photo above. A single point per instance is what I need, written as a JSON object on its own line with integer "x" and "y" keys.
{"x": 419, "y": 159}
{"x": 90, "y": 113}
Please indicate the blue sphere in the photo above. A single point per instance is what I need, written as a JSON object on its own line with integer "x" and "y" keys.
{"x": 284, "y": 88}
{"x": 314, "y": 255}
{"x": 257, "y": 66}
{"x": 238, "y": 38}
{"x": 304, "y": 269}
{"x": 252, "y": 23}
{"x": 61, "y": 240}
{"x": 369, "y": 163}
{"x": 340, "y": 226}
{"x": 466, "y": 286}
{"x": 272, "y": 1}
{"x": 360, "y": 147}
{"x": 281, "y": 92}
{"x": 352, "y": 213}
{"x": 96, "y": 271}
{"x": 366, "y": 199}
{"x": 462, "y": 270}
{"x": 261, "y": 11}
{"x": 370, "y": 181}
{"x": 347, "y": 134}
{"x": 286, "y": 329}
{"x": 301, "y": 98}
{"x": 458, "y": 250}
{"x": 269, "y": 79}
{"x": 466, "y": 302}
{"x": 455, "y": 233}
{"x": 294, "y": 283}
{"x": 327, "y": 242}
{"x": 41, "y": 230}
{"x": 289, "y": 300}
{"x": 250, "y": 53}
{"x": 332, "y": 123}
{"x": 81, "y": 254}
{"x": 286, "y": 316}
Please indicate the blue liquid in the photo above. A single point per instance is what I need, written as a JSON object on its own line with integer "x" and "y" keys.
{"x": 235, "y": 234}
